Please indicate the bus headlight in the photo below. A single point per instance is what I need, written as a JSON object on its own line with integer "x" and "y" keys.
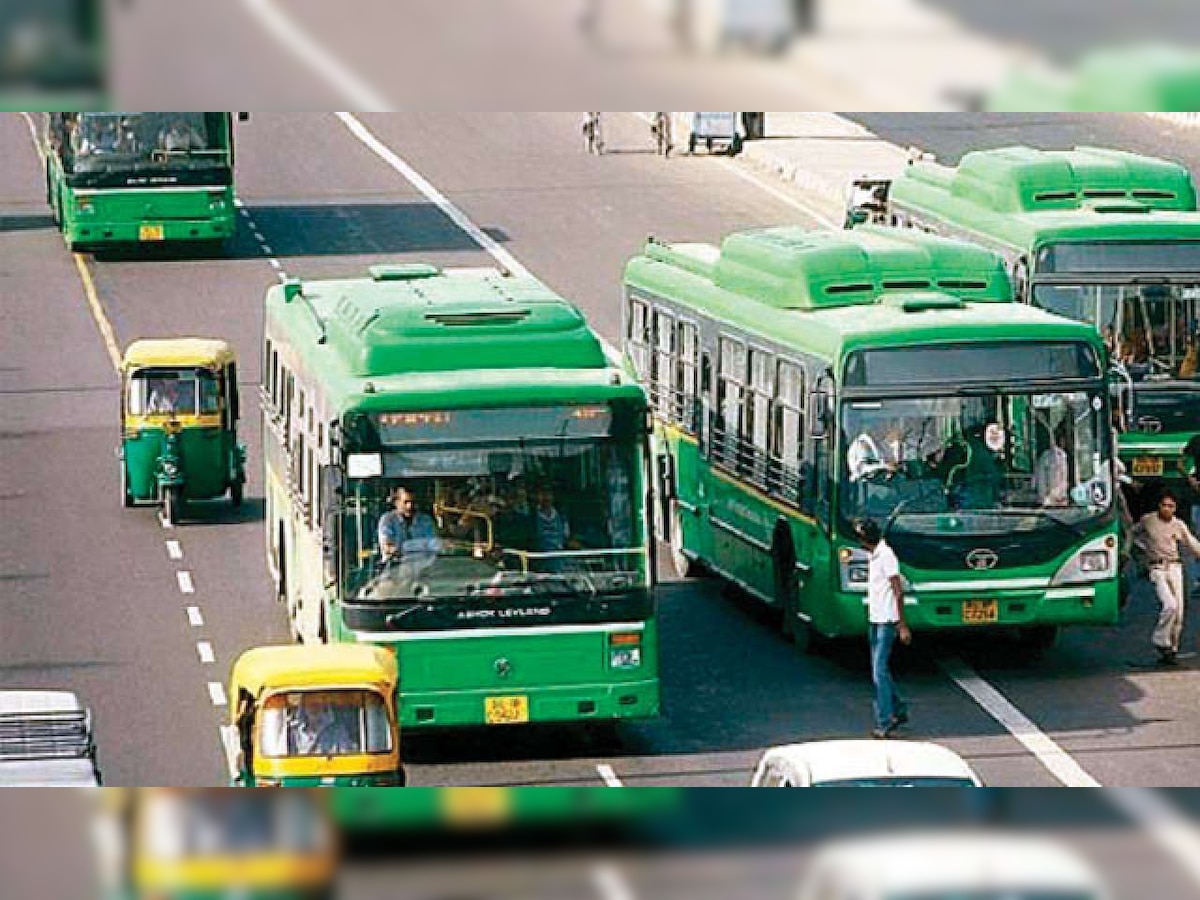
{"x": 85, "y": 208}
{"x": 1095, "y": 561}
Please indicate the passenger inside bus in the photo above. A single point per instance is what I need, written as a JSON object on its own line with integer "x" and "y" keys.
{"x": 404, "y": 532}
{"x": 1052, "y": 474}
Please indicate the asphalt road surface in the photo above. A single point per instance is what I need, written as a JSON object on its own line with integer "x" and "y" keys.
{"x": 93, "y": 598}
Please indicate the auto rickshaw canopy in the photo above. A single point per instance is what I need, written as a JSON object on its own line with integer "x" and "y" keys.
{"x": 268, "y": 670}
{"x": 206, "y": 353}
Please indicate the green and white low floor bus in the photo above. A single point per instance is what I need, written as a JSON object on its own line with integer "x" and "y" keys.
{"x": 801, "y": 381}
{"x": 148, "y": 178}
{"x": 521, "y": 589}
{"x": 1102, "y": 236}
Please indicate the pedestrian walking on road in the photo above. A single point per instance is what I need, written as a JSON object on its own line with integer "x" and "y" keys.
{"x": 662, "y": 132}
{"x": 1157, "y": 539}
{"x": 593, "y": 134}
{"x": 885, "y": 609}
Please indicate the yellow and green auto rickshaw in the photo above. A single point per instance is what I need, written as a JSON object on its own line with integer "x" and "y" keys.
{"x": 319, "y": 716}
{"x": 189, "y": 844}
{"x": 179, "y": 411}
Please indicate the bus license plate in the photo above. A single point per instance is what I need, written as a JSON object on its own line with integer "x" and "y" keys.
{"x": 981, "y": 612}
{"x": 152, "y": 233}
{"x": 476, "y": 806}
{"x": 1147, "y": 467}
{"x": 506, "y": 710}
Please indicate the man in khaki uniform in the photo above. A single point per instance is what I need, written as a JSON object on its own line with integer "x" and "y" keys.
{"x": 1157, "y": 539}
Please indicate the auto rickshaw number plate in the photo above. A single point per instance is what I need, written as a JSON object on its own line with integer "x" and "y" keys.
{"x": 506, "y": 710}
{"x": 152, "y": 233}
{"x": 981, "y": 612}
{"x": 1147, "y": 467}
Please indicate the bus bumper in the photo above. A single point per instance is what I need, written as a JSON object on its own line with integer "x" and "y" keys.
{"x": 978, "y": 610}
{"x": 573, "y": 703}
{"x": 101, "y": 233}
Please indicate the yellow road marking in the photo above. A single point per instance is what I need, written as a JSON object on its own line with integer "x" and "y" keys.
{"x": 93, "y": 299}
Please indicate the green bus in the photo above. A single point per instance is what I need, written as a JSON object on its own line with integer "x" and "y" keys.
{"x": 119, "y": 178}
{"x": 801, "y": 381}
{"x": 1100, "y": 236}
{"x": 520, "y": 589}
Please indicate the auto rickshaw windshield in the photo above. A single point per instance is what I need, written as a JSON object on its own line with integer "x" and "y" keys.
{"x": 193, "y": 827}
{"x": 180, "y": 392}
{"x": 324, "y": 723}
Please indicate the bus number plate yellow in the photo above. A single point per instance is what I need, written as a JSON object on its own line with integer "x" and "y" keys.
{"x": 506, "y": 710}
{"x": 476, "y": 806}
{"x": 981, "y": 612}
{"x": 152, "y": 233}
{"x": 1147, "y": 467}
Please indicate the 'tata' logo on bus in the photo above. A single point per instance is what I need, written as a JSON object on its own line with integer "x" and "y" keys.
{"x": 982, "y": 560}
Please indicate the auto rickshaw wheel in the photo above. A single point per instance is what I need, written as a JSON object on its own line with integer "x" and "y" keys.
{"x": 173, "y": 505}
{"x": 237, "y": 493}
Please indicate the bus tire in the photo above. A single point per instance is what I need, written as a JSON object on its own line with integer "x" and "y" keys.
{"x": 683, "y": 565}
{"x": 173, "y": 505}
{"x": 784, "y": 555}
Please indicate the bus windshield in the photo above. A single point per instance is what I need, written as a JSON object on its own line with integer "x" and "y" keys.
{"x": 1152, "y": 329}
{"x": 1006, "y": 460}
{"x": 496, "y": 521}
{"x": 152, "y": 144}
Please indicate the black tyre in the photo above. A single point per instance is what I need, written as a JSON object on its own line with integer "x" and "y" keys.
{"x": 786, "y": 590}
{"x": 281, "y": 560}
{"x": 237, "y": 493}
{"x": 173, "y": 505}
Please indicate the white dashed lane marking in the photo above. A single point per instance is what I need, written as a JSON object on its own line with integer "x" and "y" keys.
{"x": 207, "y": 656}
{"x": 174, "y": 550}
{"x": 216, "y": 693}
{"x": 609, "y": 776}
{"x": 195, "y": 617}
{"x": 186, "y": 585}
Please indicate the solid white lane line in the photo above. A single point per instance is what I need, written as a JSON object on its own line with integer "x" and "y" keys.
{"x": 610, "y": 883}
{"x": 609, "y": 776}
{"x": 207, "y": 656}
{"x": 485, "y": 241}
{"x": 174, "y": 550}
{"x": 186, "y": 585}
{"x": 316, "y": 57}
{"x": 1057, "y": 761}
{"x": 1166, "y": 823}
{"x": 432, "y": 194}
{"x": 216, "y": 693}
{"x": 195, "y": 617}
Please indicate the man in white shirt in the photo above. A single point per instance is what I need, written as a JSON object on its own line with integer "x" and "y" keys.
{"x": 885, "y": 615}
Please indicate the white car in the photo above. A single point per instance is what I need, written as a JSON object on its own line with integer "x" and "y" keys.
{"x": 943, "y": 866}
{"x": 46, "y": 741}
{"x": 863, "y": 764}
